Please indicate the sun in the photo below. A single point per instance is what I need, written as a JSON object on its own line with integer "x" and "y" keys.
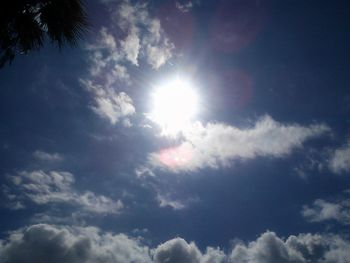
{"x": 174, "y": 105}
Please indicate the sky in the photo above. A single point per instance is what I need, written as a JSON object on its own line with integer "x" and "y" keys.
{"x": 181, "y": 131}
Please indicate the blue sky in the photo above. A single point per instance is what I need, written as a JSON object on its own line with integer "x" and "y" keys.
{"x": 247, "y": 159}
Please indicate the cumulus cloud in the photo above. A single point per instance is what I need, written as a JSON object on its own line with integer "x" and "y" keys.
{"x": 45, "y": 156}
{"x": 51, "y": 243}
{"x": 269, "y": 248}
{"x": 215, "y": 144}
{"x": 213, "y": 255}
{"x": 42, "y": 188}
{"x": 323, "y": 210}
{"x": 340, "y": 159}
{"x": 177, "y": 250}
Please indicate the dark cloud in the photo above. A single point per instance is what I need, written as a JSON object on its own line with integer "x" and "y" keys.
{"x": 47, "y": 243}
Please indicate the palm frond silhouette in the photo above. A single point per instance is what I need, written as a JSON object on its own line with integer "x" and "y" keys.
{"x": 26, "y": 24}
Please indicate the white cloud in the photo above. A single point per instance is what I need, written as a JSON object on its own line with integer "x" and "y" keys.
{"x": 139, "y": 36}
{"x": 105, "y": 57}
{"x": 157, "y": 56}
{"x": 340, "y": 160}
{"x": 114, "y": 106}
{"x": 131, "y": 46}
{"x": 143, "y": 171}
{"x": 313, "y": 161}
{"x": 144, "y": 35}
{"x": 214, "y": 255}
{"x": 177, "y": 250}
{"x": 103, "y": 52}
{"x": 121, "y": 73}
{"x": 105, "y": 41}
{"x": 217, "y": 144}
{"x": 158, "y": 49}
{"x": 186, "y": 5}
{"x": 269, "y": 248}
{"x": 45, "y": 156}
{"x": 166, "y": 201}
{"x": 51, "y": 243}
{"x": 111, "y": 105}
{"x": 55, "y": 216}
{"x": 51, "y": 187}
{"x": 174, "y": 201}
{"x": 322, "y": 210}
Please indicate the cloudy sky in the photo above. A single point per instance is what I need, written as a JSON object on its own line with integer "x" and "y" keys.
{"x": 181, "y": 131}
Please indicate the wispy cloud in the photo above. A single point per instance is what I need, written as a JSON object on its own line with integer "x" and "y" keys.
{"x": 42, "y": 188}
{"x": 140, "y": 36}
{"x": 110, "y": 104}
{"x": 158, "y": 48}
{"x": 321, "y": 210}
{"x": 166, "y": 201}
{"x": 131, "y": 46}
{"x": 340, "y": 159}
{"x": 143, "y": 171}
{"x": 215, "y": 144}
{"x": 45, "y": 156}
{"x": 186, "y": 5}
{"x": 144, "y": 35}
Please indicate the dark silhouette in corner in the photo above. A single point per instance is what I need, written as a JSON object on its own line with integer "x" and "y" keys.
{"x": 26, "y": 24}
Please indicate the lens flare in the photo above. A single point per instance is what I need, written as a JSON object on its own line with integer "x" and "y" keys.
{"x": 178, "y": 156}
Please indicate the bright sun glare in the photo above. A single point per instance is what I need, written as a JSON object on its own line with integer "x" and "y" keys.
{"x": 174, "y": 103}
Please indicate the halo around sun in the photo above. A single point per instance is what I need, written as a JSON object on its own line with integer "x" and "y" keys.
{"x": 174, "y": 105}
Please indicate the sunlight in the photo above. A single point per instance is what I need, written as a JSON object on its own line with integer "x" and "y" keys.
{"x": 174, "y": 104}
